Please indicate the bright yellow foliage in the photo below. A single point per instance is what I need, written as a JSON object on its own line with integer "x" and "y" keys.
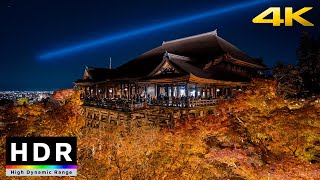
{"x": 257, "y": 135}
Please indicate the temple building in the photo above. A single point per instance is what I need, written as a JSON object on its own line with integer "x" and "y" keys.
{"x": 200, "y": 67}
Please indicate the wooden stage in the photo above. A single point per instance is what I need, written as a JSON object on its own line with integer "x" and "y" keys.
{"x": 157, "y": 116}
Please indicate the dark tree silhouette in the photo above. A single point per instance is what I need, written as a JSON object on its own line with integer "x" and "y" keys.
{"x": 308, "y": 55}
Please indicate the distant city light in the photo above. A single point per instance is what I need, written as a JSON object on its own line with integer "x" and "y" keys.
{"x": 32, "y": 96}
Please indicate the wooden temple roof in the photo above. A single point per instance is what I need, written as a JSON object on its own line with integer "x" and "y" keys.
{"x": 194, "y": 56}
{"x": 202, "y": 48}
{"x": 94, "y": 74}
{"x": 186, "y": 66}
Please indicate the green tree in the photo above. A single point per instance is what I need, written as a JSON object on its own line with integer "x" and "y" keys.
{"x": 23, "y": 101}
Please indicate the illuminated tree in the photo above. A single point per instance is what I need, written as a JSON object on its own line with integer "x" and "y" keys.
{"x": 256, "y": 135}
{"x": 23, "y": 101}
{"x": 289, "y": 80}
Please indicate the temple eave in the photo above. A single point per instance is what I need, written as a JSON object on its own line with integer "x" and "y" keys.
{"x": 195, "y": 79}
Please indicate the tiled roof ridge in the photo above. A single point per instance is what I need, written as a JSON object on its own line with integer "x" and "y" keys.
{"x": 213, "y": 33}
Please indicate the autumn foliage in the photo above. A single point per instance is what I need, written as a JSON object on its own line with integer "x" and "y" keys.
{"x": 279, "y": 138}
{"x": 256, "y": 135}
{"x": 58, "y": 117}
{"x": 46, "y": 118}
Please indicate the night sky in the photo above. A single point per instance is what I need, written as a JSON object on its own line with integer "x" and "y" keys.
{"x": 30, "y": 28}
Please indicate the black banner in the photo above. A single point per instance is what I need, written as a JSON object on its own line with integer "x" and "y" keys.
{"x": 54, "y": 146}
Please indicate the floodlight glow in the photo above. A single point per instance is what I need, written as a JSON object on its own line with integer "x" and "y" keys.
{"x": 116, "y": 37}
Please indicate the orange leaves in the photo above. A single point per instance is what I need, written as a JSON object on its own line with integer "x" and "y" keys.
{"x": 47, "y": 118}
{"x": 148, "y": 153}
{"x": 284, "y": 133}
{"x": 63, "y": 94}
{"x": 257, "y": 135}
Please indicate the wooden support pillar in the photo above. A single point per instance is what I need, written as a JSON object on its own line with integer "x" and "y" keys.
{"x": 125, "y": 90}
{"x": 105, "y": 91}
{"x": 86, "y": 115}
{"x": 196, "y": 91}
{"x": 172, "y": 91}
{"x": 167, "y": 90}
{"x": 206, "y": 91}
{"x": 158, "y": 91}
{"x": 96, "y": 90}
{"x": 118, "y": 118}
{"x": 121, "y": 90}
{"x": 132, "y": 91}
{"x": 157, "y": 120}
{"x": 171, "y": 120}
{"x": 129, "y": 91}
{"x": 220, "y": 91}
{"x": 99, "y": 121}
{"x": 186, "y": 89}
{"x": 178, "y": 91}
{"x": 113, "y": 90}
{"x": 146, "y": 91}
{"x": 223, "y": 92}
{"x": 135, "y": 89}
{"x": 100, "y": 92}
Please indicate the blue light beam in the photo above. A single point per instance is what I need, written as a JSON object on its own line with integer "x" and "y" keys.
{"x": 119, "y": 36}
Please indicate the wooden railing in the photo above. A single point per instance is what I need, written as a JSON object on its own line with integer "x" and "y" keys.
{"x": 130, "y": 105}
{"x": 172, "y": 103}
{"x": 202, "y": 102}
{"x": 187, "y": 102}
